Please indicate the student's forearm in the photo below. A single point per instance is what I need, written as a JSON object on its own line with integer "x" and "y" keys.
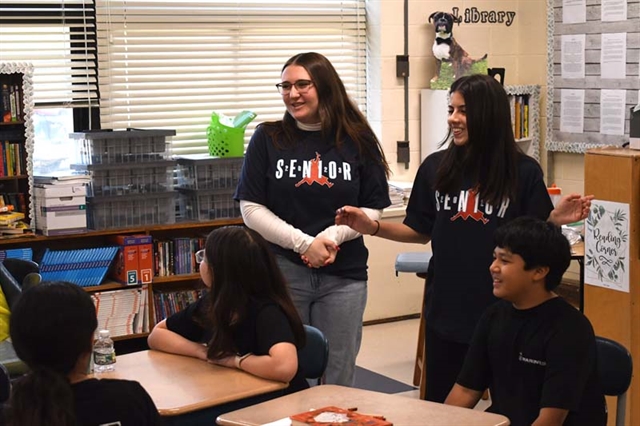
{"x": 163, "y": 339}
{"x": 401, "y": 233}
{"x": 461, "y": 396}
{"x": 268, "y": 367}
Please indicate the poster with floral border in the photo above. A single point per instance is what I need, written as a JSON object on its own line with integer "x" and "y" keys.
{"x": 606, "y": 251}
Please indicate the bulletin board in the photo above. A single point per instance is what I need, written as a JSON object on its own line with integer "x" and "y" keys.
{"x": 596, "y": 79}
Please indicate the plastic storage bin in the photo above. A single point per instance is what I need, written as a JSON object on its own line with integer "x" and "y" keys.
{"x": 124, "y": 179}
{"x": 123, "y": 146}
{"x": 208, "y": 205}
{"x": 131, "y": 210}
{"x": 205, "y": 172}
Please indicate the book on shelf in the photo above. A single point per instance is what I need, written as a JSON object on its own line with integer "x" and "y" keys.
{"x": 517, "y": 117}
{"x": 10, "y": 103}
{"x": 17, "y": 253}
{"x": 124, "y": 311}
{"x": 84, "y": 267}
{"x": 7, "y": 218}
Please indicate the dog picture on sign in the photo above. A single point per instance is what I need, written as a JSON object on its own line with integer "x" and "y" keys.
{"x": 452, "y": 61}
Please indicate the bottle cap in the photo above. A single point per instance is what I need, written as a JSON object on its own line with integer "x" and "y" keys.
{"x": 554, "y": 190}
{"x": 103, "y": 333}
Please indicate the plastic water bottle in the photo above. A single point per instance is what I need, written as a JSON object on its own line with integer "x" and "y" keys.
{"x": 104, "y": 354}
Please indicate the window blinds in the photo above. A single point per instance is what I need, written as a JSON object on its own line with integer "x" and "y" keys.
{"x": 169, "y": 64}
{"x": 58, "y": 38}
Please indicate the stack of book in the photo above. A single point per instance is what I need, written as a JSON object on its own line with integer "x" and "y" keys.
{"x": 123, "y": 312}
{"x": 61, "y": 206}
{"x": 11, "y": 222}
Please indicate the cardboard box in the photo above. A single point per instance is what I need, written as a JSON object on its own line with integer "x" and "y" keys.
{"x": 127, "y": 267}
{"x": 56, "y": 191}
{"x": 61, "y": 209}
{"x": 61, "y": 219}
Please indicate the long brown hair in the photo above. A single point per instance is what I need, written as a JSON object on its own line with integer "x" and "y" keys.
{"x": 339, "y": 115}
{"x": 490, "y": 157}
{"x": 243, "y": 270}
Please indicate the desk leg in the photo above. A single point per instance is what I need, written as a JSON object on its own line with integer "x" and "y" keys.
{"x": 581, "y": 262}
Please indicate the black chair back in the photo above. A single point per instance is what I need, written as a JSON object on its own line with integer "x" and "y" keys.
{"x": 14, "y": 273}
{"x": 313, "y": 357}
{"x": 615, "y": 368}
{"x": 5, "y": 385}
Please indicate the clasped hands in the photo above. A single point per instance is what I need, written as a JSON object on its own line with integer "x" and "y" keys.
{"x": 321, "y": 252}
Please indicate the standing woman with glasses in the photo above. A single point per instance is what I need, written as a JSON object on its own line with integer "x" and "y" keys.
{"x": 297, "y": 171}
{"x": 246, "y": 320}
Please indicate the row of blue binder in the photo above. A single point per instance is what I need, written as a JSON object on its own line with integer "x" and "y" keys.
{"x": 84, "y": 267}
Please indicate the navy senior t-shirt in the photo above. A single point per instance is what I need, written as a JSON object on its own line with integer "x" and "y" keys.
{"x": 305, "y": 184}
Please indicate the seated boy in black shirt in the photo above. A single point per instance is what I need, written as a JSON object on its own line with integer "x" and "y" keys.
{"x": 534, "y": 351}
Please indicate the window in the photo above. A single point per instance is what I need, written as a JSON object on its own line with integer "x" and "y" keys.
{"x": 58, "y": 38}
{"x": 168, "y": 64}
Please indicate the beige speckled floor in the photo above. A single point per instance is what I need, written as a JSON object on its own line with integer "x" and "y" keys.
{"x": 390, "y": 349}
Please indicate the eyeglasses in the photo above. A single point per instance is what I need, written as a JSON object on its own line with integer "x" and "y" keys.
{"x": 302, "y": 86}
{"x": 200, "y": 256}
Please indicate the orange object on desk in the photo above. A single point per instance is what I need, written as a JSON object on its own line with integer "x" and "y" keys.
{"x": 355, "y": 418}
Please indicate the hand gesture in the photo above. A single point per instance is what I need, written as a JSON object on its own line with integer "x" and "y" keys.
{"x": 355, "y": 219}
{"x": 321, "y": 252}
{"x": 571, "y": 208}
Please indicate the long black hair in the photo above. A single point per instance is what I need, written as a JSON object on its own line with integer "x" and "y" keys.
{"x": 52, "y": 325}
{"x": 339, "y": 115}
{"x": 490, "y": 156}
{"x": 243, "y": 270}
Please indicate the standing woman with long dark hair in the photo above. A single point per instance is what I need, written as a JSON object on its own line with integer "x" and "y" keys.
{"x": 297, "y": 171}
{"x": 459, "y": 198}
{"x": 52, "y": 331}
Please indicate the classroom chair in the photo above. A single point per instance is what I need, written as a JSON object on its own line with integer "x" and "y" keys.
{"x": 615, "y": 368}
{"x": 313, "y": 357}
{"x": 17, "y": 275}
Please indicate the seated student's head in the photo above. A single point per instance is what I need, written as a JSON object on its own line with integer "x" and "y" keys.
{"x": 52, "y": 329}
{"x": 529, "y": 252}
{"x": 239, "y": 267}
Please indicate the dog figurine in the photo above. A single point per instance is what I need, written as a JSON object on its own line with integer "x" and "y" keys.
{"x": 446, "y": 48}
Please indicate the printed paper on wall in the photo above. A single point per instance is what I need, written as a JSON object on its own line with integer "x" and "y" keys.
{"x": 606, "y": 253}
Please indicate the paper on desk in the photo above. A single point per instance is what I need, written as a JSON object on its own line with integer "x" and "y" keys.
{"x": 282, "y": 422}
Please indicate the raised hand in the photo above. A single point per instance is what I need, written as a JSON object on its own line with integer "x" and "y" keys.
{"x": 355, "y": 219}
{"x": 571, "y": 208}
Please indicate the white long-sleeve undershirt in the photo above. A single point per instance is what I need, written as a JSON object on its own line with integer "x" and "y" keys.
{"x": 275, "y": 230}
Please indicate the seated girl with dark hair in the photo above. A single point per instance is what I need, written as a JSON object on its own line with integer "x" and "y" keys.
{"x": 52, "y": 330}
{"x": 247, "y": 319}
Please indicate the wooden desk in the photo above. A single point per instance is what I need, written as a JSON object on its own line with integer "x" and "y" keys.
{"x": 399, "y": 410}
{"x": 179, "y": 384}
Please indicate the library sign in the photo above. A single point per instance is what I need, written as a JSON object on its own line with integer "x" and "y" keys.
{"x": 473, "y": 15}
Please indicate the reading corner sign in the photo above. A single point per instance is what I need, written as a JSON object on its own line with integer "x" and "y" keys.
{"x": 472, "y": 15}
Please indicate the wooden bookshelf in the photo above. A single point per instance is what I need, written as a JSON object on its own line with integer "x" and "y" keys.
{"x": 38, "y": 243}
{"x": 16, "y": 141}
{"x": 525, "y": 116}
